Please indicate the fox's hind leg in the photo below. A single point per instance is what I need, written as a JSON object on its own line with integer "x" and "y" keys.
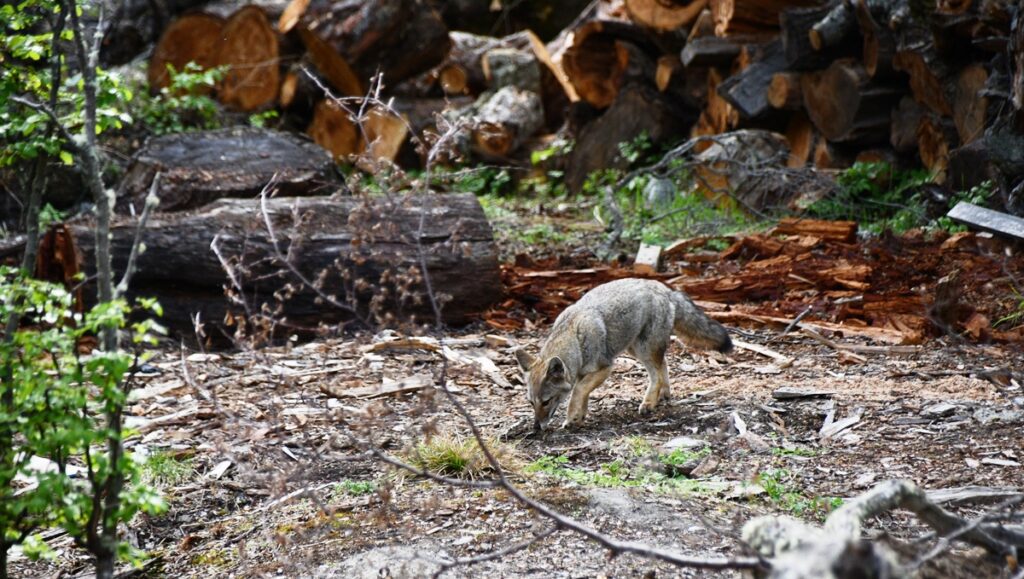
{"x": 657, "y": 373}
{"x": 580, "y": 395}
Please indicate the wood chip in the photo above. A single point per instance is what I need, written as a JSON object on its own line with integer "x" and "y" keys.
{"x": 411, "y": 384}
{"x": 788, "y": 393}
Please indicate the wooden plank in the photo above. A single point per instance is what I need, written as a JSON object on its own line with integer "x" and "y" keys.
{"x": 987, "y": 220}
{"x": 648, "y": 259}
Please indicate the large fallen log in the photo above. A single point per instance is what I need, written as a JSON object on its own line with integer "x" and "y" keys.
{"x": 249, "y": 48}
{"x": 199, "y": 167}
{"x": 362, "y": 254}
{"x": 191, "y": 38}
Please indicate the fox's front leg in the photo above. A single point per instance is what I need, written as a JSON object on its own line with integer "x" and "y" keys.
{"x": 581, "y": 394}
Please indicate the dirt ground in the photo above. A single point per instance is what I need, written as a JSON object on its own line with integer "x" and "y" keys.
{"x": 267, "y": 481}
{"x": 935, "y": 417}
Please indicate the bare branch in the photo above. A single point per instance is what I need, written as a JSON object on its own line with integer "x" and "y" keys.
{"x": 152, "y": 200}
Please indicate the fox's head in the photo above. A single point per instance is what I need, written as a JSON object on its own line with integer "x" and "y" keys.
{"x": 547, "y": 385}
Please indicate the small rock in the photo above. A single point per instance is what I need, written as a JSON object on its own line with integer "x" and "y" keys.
{"x": 939, "y": 410}
{"x": 683, "y": 442}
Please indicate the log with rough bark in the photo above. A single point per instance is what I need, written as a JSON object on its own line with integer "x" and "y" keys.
{"x": 505, "y": 120}
{"x": 834, "y": 27}
{"x": 846, "y": 105}
{"x": 199, "y": 167}
{"x": 796, "y": 24}
{"x": 879, "y": 42}
{"x": 739, "y": 16}
{"x": 249, "y": 48}
{"x": 190, "y": 38}
{"x": 398, "y": 38}
{"x": 136, "y": 24}
{"x": 664, "y": 15}
{"x": 637, "y": 109}
{"x": 747, "y": 91}
{"x": 374, "y": 245}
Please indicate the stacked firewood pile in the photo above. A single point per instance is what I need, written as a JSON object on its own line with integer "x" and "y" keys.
{"x": 935, "y": 84}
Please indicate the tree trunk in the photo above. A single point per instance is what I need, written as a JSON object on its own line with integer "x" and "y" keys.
{"x": 202, "y": 166}
{"x": 369, "y": 244}
{"x": 846, "y": 106}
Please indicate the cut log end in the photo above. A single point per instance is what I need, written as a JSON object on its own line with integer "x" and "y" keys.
{"x": 595, "y": 64}
{"x": 191, "y": 38}
{"x": 333, "y": 129}
{"x": 664, "y": 15}
{"x": 250, "y": 51}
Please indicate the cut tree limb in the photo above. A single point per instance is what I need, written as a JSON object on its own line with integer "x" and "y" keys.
{"x": 202, "y": 166}
{"x": 191, "y": 38}
{"x": 365, "y": 253}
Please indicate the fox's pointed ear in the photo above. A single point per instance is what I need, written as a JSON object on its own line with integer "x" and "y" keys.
{"x": 556, "y": 369}
{"x": 525, "y": 359}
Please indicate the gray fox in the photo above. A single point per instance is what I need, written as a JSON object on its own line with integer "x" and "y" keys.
{"x": 631, "y": 315}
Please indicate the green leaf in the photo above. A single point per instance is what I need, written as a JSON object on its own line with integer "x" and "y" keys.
{"x": 66, "y": 158}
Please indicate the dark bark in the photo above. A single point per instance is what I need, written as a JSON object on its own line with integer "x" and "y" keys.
{"x": 747, "y": 91}
{"x": 202, "y": 166}
{"x": 138, "y": 23}
{"x": 349, "y": 238}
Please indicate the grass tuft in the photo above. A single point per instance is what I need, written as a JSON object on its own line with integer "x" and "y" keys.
{"x": 456, "y": 456}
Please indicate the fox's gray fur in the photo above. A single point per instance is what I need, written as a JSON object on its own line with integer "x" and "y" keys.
{"x": 637, "y": 316}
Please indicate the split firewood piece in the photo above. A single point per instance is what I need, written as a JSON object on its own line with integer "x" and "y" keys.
{"x": 936, "y": 137}
{"x": 932, "y": 81}
{"x": 291, "y": 15}
{"x": 740, "y": 16}
{"x": 987, "y": 220}
{"x": 331, "y": 65}
{"x": 970, "y": 105}
{"x": 844, "y": 231}
{"x": 191, "y": 38}
{"x": 249, "y": 49}
{"x": 784, "y": 91}
{"x": 334, "y": 129}
{"x": 801, "y": 138}
{"x": 846, "y": 105}
{"x": 718, "y": 115}
{"x": 664, "y": 16}
{"x": 717, "y": 51}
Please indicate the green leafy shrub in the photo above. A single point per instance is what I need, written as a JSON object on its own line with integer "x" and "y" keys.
{"x": 185, "y": 104}
{"x": 63, "y": 408}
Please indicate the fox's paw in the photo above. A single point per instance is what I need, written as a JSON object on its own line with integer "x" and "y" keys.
{"x": 572, "y": 423}
{"x": 647, "y": 408}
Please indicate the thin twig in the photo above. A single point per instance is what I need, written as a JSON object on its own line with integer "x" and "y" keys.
{"x": 152, "y": 200}
{"x": 497, "y": 554}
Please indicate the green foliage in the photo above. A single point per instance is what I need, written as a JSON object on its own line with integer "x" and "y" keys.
{"x": 882, "y": 198}
{"x": 776, "y": 484}
{"x": 355, "y": 487}
{"x": 617, "y": 473}
{"x": 163, "y": 469}
{"x": 184, "y": 104}
{"x": 24, "y": 131}
{"x": 460, "y": 457}
{"x": 876, "y": 196}
{"x": 1016, "y": 316}
{"x": 795, "y": 451}
{"x": 56, "y": 404}
{"x": 483, "y": 181}
{"x": 638, "y": 149}
{"x": 49, "y": 215}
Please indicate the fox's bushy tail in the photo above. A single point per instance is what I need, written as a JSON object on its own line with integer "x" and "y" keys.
{"x": 695, "y": 328}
